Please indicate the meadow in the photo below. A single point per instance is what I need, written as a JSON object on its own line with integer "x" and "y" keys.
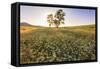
{"x": 49, "y": 44}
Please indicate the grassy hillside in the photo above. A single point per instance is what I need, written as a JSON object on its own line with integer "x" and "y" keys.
{"x": 45, "y": 44}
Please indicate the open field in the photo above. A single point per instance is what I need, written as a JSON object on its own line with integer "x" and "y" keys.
{"x": 46, "y": 44}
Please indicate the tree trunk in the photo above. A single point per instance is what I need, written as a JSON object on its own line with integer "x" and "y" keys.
{"x": 57, "y": 26}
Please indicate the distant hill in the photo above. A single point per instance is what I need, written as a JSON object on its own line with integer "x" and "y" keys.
{"x": 25, "y": 24}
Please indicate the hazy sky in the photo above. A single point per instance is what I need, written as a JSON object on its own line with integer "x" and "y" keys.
{"x": 36, "y": 15}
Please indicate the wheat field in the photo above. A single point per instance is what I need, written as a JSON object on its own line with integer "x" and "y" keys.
{"x": 49, "y": 44}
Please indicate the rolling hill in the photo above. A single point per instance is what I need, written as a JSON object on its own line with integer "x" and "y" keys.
{"x": 25, "y": 24}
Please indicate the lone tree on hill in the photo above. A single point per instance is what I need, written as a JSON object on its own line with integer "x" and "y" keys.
{"x": 56, "y": 19}
{"x": 50, "y": 19}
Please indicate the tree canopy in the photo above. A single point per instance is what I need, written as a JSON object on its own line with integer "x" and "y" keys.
{"x": 56, "y": 19}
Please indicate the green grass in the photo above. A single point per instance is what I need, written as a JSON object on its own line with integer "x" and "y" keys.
{"x": 55, "y": 45}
